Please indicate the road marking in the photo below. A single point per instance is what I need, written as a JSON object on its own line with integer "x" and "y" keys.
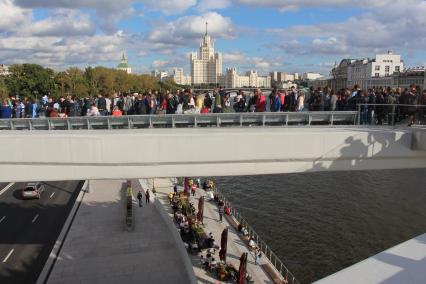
{"x": 52, "y": 195}
{"x": 35, "y": 218}
{"x": 8, "y": 255}
{"x": 6, "y": 188}
{"x": 2, "y": 218}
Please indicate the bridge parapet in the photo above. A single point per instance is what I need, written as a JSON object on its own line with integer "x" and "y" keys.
{"x": 146, "y": 153}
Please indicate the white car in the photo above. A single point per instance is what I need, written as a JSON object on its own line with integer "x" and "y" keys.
{"x": 32, "y": 190}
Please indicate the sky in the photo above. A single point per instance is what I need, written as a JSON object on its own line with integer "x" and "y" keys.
{"x": 264, "y": 35}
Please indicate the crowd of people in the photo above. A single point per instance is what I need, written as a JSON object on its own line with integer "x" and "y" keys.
{"x": 220, "y": 101}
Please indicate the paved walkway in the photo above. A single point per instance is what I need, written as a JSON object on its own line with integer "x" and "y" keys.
{"x": 211, "y": 221}
{"x": 98, "y": 249}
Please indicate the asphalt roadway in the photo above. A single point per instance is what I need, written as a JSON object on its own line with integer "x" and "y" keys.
{"x": 30, "y": 228}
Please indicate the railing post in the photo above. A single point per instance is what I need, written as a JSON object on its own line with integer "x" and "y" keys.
{"x": 173, "y": 122}
{"x": 332, "y": 119}
{"x": 359, "y": 114}
{"x": 195, "y": 121}
{"x": 150, "y": 122}
{"x": 88, "y": 123}
{"x": 108, "y": 123}
{"x": 309, "y": 119}
{"x": 393, "y": 115}
{"x": 263, "y": 120}
{"x": 68, "y": 123}
{"x": 286, "y": 119}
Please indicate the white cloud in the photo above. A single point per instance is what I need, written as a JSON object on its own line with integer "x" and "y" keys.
{"x": 397, "y": 26}
{"x": 159, "y": 64}
{"x": 169, "y": 6}
{"x": 11, "y": 16}
{"x": 185, "y": 31}
{"x": 62, "y": 22}
{"x": 108, "y": 12}
{"x": 245, "y": 62}
{"x": 287, "y": 5}
{"x": 57, "y": 51}
{"x": 109, "y": 6}
{"x": 207, "y": 5}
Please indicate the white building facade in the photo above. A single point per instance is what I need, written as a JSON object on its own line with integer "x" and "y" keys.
{"x": 206, "y": 67}
{"x": 311, "y": 76}
{"x": 180, "y": 78}
{"x": 4, "y": 70}
{"x": 362, "y": 71}
{"x": 251, "y": 79}
{"x": 160, "y": 75}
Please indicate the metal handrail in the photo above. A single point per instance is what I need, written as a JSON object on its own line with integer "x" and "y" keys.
{"x": 285, "y": 273}
{"x": 391, "y": 108}
{"x": 181, "y": 120}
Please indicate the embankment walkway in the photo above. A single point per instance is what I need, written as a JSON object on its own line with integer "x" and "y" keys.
{"x": 98, "y": 249}
{"x": 211, "y": 221}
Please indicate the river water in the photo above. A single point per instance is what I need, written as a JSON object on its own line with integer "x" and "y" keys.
{"x": 320, "y": 223}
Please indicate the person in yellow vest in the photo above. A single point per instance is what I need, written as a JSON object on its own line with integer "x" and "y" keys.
{"x": 200, "y": 101}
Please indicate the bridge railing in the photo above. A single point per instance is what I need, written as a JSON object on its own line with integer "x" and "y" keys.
{"x": 286, "y": 275}
{"x": 182, "y": 120}
{"x": 390, "y": 114}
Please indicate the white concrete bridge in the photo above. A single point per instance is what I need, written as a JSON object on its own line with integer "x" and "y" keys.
{"x": 144, "y": 153}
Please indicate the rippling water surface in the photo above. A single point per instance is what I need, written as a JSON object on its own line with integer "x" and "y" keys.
{"x": 320, "y": 223}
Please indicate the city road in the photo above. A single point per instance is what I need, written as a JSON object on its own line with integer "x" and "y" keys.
{"x": 30, "y": 228}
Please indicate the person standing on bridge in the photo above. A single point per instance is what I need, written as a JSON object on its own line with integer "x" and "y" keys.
{"x": 221, "y": 210}
{"x": 147, "y": 196}
{"x": 139, "y": 196}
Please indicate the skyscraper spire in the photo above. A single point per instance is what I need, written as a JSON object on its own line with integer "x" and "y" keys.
{"x": 206, "y": 27}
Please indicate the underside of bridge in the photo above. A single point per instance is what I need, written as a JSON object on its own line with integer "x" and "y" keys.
{"x": 145, "y": 153}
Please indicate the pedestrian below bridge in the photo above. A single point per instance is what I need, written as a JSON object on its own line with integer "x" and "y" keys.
{"x": 147, "y": 196}
{"x": 139, "y": 196}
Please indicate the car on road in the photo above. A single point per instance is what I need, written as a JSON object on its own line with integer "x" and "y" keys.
{"x": 32, "y": 190}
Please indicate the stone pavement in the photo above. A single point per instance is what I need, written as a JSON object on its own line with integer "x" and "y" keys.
{"x": 98, "y": 249}
{"x": 211, "y": 221}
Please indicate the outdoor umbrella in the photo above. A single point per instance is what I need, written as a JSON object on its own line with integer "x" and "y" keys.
{"x": 186, "y": 186}
{"x": 223, "y": 245}
{"x": 200, "y": 213}
{"x": 243, "y": 268}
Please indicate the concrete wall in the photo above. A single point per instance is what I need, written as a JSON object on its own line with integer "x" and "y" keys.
{"x": 127, "y": 154}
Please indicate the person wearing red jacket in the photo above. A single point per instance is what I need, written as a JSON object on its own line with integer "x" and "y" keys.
{"x": 260, "y": 102}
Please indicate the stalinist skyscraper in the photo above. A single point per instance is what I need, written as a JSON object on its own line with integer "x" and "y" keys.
{"x": 207, "y": 66}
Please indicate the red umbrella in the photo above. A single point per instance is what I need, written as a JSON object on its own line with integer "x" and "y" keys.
{"x": 243, "y": 269}
{"x": 200, "y": 213}
{"x": 186, "y": 186}
{"x": 223, "y": 245}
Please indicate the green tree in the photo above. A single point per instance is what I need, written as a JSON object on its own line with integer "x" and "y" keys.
{"x": 4, "y": 92}
{"x": 30, "y": 80}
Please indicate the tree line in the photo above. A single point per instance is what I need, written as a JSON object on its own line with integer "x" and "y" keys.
{"x": 35, "y": 81}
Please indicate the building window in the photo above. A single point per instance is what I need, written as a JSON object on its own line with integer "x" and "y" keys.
{"x": 387, "y": 69}
{"x": 397, "y": 69}
{"x": 377, "y": 74}
{"x": 377, "y": 68}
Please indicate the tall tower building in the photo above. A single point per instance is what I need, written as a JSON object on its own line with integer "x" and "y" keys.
{"x": 206, "y": 67}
